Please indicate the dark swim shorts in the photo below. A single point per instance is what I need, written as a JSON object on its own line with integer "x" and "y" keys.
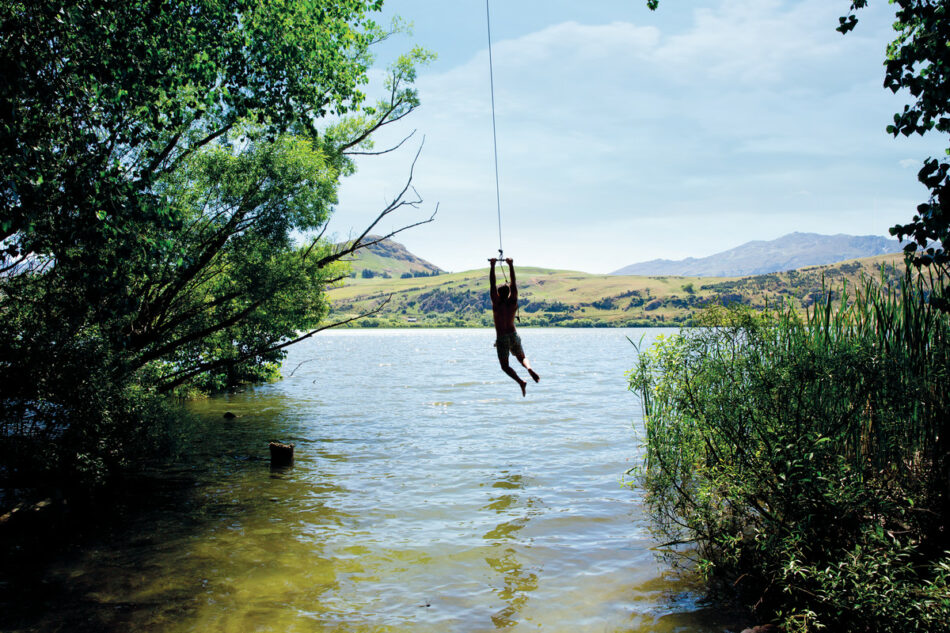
{"x": 509, "y": 344}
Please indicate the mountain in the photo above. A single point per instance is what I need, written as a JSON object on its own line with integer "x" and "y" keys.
{"x": 390, "y": 258}
{"x": 795, "y": 250}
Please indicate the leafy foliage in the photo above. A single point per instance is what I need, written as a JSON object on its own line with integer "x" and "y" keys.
{"x": 163, "y": 161}
{"x": 918, "y": 61}
{"x": 805, "y": 459}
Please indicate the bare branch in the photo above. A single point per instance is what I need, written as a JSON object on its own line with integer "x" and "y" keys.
{"x": 185, "y": 375}
{"x": 401, "y": 229}
{"x": 16, "y": 263}
{"x": 165, "y": 152}
{"x": 382, "y": 122}
{"x": 396, "y": 203}
{"x": 311, "y": 333}
{"x": 306, "y": 253}
{"x": 385, "y": 151}
{"x": 163, "y": 156}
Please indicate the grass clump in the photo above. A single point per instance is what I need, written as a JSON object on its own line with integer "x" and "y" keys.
{"x": 801, "y": 461}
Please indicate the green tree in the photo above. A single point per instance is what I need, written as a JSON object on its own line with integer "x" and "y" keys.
{"x": 159, "y": 160}
{"x": 918, "y": 60}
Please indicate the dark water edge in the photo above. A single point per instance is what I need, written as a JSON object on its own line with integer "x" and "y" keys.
{"x": 51, "y": 531}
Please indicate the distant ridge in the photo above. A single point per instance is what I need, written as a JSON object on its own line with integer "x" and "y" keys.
{"x": 795, "y": 250}
{"x": 390, "y": 258}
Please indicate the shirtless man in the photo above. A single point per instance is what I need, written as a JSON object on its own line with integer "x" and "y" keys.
{"x": 504, "y": 305}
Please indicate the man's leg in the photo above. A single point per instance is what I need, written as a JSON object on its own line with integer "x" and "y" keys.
{"x": 508, "y": 369}
{"x": 524, "y": 362}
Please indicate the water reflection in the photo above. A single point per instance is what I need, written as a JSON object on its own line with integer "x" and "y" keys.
{"x": 398, "y": 514}
{"x": 506, "y": 559}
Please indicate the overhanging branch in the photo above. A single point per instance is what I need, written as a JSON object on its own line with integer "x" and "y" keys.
{"x": 184, "y": 375}
{"x": 381, "y": 152}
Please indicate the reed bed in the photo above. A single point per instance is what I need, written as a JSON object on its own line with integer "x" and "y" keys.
{"x": 800, "y": 461}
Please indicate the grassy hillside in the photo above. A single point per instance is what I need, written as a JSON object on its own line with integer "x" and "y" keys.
{"x": 575, "y": 299}
{"x": 389, "y": 259}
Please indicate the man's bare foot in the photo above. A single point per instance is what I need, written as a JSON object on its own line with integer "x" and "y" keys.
{"x": 524, "y": 388}
{"x": 534, "y": 375}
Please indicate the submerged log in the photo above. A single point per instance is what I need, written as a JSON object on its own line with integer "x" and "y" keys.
{"x": 281, "y": 454}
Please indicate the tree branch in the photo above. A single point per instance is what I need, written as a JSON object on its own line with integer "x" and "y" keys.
{"x": 395, "y": 204}
{"x": 182, "y": 376}
{"x": 195, "y": 147}
{"x": 385, "y": 151}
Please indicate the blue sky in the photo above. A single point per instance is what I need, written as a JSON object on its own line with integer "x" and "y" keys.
{"x": 626, "y": 135}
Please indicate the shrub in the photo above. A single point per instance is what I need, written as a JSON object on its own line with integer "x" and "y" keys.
{"x": 606, "y": 303}
{"x": 803, "y": 459}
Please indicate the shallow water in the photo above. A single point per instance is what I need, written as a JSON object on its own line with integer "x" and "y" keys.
{"x": 426, "y": 495}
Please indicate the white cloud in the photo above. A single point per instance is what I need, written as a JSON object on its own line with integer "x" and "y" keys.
{"x": 754, "y": 42}
{"x": 619, "y": 142}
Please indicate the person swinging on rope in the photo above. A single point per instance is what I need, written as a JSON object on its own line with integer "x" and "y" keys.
{"x": 504, "y": 305}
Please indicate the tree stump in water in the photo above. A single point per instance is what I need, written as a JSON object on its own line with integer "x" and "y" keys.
{"x": 281, "y": 454}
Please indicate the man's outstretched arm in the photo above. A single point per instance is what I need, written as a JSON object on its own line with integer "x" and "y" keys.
{"x": 511, "y": 270}
{"x": 491, "y": 280}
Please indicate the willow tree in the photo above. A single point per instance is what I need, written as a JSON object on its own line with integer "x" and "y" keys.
{"x": 162, "y": 160}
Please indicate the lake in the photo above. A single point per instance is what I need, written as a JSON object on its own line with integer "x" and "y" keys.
{"x": 427, "y": 495}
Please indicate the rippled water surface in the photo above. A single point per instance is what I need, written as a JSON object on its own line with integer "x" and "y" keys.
{"x": 427, "y": 495}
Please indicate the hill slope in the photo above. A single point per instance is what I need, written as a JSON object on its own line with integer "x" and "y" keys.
{"x": 389, "y": 258}
{"x": 567, "y": 298}
{"x": 795, "y": 250}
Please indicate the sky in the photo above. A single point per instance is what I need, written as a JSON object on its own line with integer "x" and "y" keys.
{"x": 626, "y": 135}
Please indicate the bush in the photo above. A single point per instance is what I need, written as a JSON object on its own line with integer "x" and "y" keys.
{"x": 607, "y": 303}
{"x": 75, "y": 448}
{"x": 804, "y": 461}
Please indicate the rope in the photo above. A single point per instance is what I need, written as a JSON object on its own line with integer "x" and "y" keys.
{"x": 494, "y": 132}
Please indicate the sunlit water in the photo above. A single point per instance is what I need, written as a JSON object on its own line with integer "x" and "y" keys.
{"x": 427, "y": 495}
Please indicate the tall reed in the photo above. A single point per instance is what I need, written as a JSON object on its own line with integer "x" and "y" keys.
{"x": 804, "y": 456}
